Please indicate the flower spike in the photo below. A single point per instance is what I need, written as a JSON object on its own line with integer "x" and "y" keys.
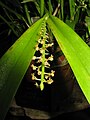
{"x": 42, "y": 61}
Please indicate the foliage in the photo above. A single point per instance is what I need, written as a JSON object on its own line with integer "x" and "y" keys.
{"x": 14, "y": 63}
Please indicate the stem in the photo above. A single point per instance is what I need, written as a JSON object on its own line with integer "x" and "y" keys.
{"x": 56, "y": 10}
{"x": 43, "y": 62}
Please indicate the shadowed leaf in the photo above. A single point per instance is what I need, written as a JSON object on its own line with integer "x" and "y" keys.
{"x": 76, "y": 51}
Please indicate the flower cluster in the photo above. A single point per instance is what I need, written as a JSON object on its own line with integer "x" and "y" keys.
{"x": 42, "y": 59}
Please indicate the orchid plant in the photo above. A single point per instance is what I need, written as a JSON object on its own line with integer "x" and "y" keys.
{"x": 15, "y": 62}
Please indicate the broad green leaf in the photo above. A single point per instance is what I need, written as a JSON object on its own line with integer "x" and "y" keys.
{"x": 76, "y": 51}
{"x": 70, "y": 23}
{"x": 14, "y": 64}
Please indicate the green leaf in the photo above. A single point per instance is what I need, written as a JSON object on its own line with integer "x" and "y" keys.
{"x": 88, "y": 11}
{"x": 41, "y": 7}
{"x": 62, "y": 9}
{"x": 27, "y": 14}
{"x": 70, "y": 23}
{"x": 87, "y": 19}
{"x": 50, "y": 7}
{"x": 25, "y": 1}
{"x": 76, "y": 51}
{"x": 72, "y": 9}
{"x": 14, "y": 64}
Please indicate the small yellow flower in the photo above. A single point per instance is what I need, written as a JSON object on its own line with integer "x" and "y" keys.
{"x": 49, "y": 45}
{"x": 47, "y": 64}
{"x": 36, "y": 84}
{"x": 34, "y": 57}
{"x": 39, "y": 72}
{"x": 42, "y": 42}
{"x": 52, "y": 73}
{"x": 50, "y": 58}
{"x": 41, "y": 50}
{"x": 46, "y": 76}
{"x": 40, "y": 60}
{"x": 37, "y": 48}
{"x": 50, "y": 81}
{"x": 33, "y": 77}
{"x": 39, "y": 40}
{"x": 33, "y": 67}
